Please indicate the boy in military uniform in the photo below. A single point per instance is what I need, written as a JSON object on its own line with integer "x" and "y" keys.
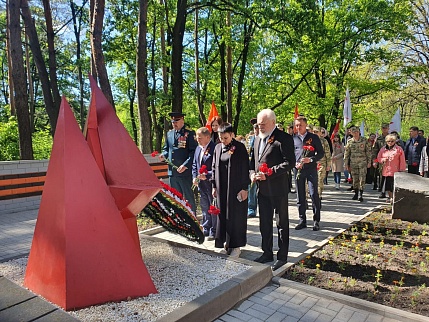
{"x": 357, "y": 158}
{"x": 179, "y": 149}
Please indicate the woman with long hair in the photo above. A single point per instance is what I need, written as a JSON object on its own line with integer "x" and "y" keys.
{"x": 215, "y": 123}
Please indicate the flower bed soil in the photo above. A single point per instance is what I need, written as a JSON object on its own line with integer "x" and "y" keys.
{"x": 379, "y": 259}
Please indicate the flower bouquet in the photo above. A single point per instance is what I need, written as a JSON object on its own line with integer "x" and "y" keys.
{"x": 203, "y": 170}
{"x": 306, "y": 149}
{"x": 155, "y": 153}
{"x": 214, "y": 210}
{"x": 264, "y": 169}
{"x": 170, "y": 210}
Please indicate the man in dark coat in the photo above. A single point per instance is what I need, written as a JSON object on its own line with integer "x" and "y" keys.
{"x": 308, "y": 150}
{"x": 204, "y": 157}
{"x": 413, "y": 150}
{"x": 273, "y": 157}
{"x": 178, "y": 150}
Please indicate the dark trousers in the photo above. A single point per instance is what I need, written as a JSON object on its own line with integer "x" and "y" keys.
{"x": 310, "y": 176}
{"x": 206, "y": 198}
{"x": 414, "y": 169}
{"x": 183, "y": 184}
{"x": 267, "y": 207}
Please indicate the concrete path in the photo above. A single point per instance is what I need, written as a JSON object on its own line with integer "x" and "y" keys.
{"x": 280, "y": 300}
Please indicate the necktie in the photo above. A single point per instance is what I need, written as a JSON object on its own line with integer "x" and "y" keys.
{"x": 201, "y": 155}
{"x": 262, "y": 146}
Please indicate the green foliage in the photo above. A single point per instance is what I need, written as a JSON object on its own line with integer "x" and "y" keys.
{"x": 42, "y": 144}
{"x": 9, "y": 141}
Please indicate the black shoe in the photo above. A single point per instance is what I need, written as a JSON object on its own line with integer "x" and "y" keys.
{"x": 264, "y": 259}
{"x": 382, "y": 195}
{"x": 350, "y": 189}
{"x": 361, "y": 199}
{"x": 355, "y": 197}
{"x": 316, "y": 226}
{"x": 300, "y": 226}
{"x": 277, "y": 264}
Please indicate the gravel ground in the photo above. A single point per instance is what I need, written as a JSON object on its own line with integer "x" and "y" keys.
{"x": 180, "y": 275}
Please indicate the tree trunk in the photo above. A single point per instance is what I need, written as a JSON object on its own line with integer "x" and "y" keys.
{"x": 197, "y": 73}
{"x": 52, "y": 60}
{"x": 9, "y": 65}
{"x": 30, "y": 29}
{"x": 77, "y": 23}
{"x": 157, "y": 119}
{"x": 97, "y": 50}
{"x": 176, "y": 57}
{"x": 131, "y": 93}
{"x": 142, "y": 82}
{"x": 228, "y": 74}
{"x": 248, "y": 34}
{"x": 30, "y": 85}
{"x": 19, "y": 81}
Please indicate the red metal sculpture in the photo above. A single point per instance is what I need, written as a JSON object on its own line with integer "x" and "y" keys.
{"x": 84, "y": 246}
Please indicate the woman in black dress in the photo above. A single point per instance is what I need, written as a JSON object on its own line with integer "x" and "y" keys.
{"x": 230, "y": 181}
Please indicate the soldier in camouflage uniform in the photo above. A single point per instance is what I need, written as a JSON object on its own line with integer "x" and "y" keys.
{"x": 379, "y": 143}
{"x": 357, "y": 158}
{"x": 324, "y": 164}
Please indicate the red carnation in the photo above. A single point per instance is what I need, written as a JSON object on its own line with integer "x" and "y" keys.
{"x": 213, "y": 210}
{"x": 263, "y": 168}
{"x": 203, "y": 169}
{"x": 154, "y": 153}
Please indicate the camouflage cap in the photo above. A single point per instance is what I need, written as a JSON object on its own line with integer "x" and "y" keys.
{"x": 385, "y": 125}
{"x": 354, "y": 129}
{"x": 316, "y": 128}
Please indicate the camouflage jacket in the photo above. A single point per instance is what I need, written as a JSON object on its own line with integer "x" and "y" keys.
{"x": 379, "y": 143}
{"x": 326, "y": 160}
{"x": 357, "y": 152}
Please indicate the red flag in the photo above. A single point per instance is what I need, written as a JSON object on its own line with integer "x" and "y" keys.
{"x": 335, "y": 131}
{"x": 213, "y": 113}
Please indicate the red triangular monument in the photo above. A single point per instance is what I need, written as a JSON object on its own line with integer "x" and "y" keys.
{"x": 130, "y": 179}
{"x": 82, "y": 252}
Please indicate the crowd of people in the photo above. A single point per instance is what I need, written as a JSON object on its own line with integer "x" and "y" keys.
{"x": 236, "y": 175}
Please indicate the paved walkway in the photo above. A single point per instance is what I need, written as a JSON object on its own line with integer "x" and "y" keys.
{"x": 281, "y": 300}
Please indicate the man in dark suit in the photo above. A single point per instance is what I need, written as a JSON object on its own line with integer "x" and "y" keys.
{"x": 413, "y": 150}
{"x": 273, "y": 150}
{"x": 178, "y": 151}
{"x": 204, "y": 157}
{"x": 308, "y": 150}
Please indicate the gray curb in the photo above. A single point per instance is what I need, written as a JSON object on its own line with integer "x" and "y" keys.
{"x": 380, "y": 309}
{"x": 224, "y": 297}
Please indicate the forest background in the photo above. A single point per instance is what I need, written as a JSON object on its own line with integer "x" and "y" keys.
{"x": 151, "y": 57}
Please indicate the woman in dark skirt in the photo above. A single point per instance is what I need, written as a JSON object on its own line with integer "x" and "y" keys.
{"x": 230, "y": 181}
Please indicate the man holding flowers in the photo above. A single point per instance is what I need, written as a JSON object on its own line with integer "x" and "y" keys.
{"x": 201, "y": 174}
{"x": 308, "y": 150}
{"x": 271, "y": 160}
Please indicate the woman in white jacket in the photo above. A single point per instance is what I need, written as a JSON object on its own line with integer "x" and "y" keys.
{"x": 423, "y": 168}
